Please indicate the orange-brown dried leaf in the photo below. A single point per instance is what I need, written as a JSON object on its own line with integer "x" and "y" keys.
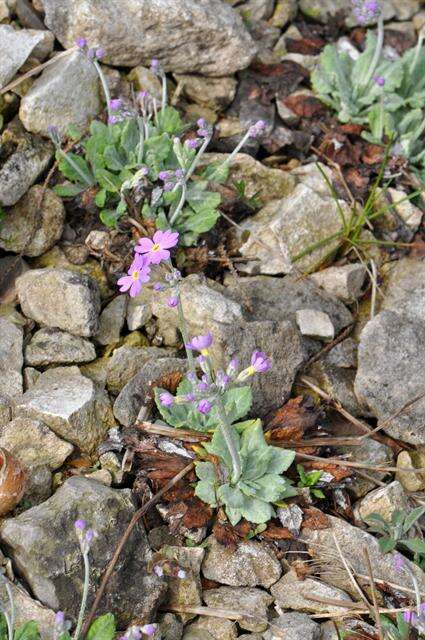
{"x": 225, "y": 534}
{"x": 315, "y": 519}
{"x": 292, "y": 420}
{"x": 198, "y": 513}
{"x": 355, "y": 178}
{"x": 274, "y": 532}
{"x": 339, "y": 473}
{"x": 372, "y": 154}
{"x": 169, "y": 381}
{"x": 306, "y": 106}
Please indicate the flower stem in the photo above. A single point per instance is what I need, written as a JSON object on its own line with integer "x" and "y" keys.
{"x": 180, "y": 205}
{"x": 197, "y": 158}
{"x": 377, "y": 54}
{"x": 75, "y": 166}
{"x": 84, "y": 596}
{"x": 164, "y": 93}
{"x": 226, "y": 431}
{"x": 184, "y": 332}
{"x": 104, "y": 86}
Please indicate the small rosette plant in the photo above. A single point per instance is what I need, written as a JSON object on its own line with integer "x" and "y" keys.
{"x": 143, "y": 162}
{"x": 260, "y": 484}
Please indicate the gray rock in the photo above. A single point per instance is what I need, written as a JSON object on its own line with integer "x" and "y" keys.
{"x": 70, "y": 404}
{"x": 254, "y": 602}
{"x": 352, "y": 541}
{"x": 407, "y": 460}
{"x": 323, "y": 10}
{"x": 29, "y": 158}
{"x": 285, "y": 10}
{"x": 11, "y": 358}
{"x": 16, "y": 46}
{"x": 39, "y": 487}
{"x": 315, "y": 324}
{"x": 345, "y": 283}
{"x": 254, "y": 10}
{"x": 292, "y": 593}
{"x": 338, "y": 382}
{"x": 66, "y": 93}
{"x": 404, "y": 288}
{"x": 185, "y": 592}
{"x": 138, "y": 314}
{"x": 43, "y": 544}
{"x": 111, "y": 321}
{"x": 11, "y": 267}
{"x": 215, "y": 93}
{"x": 210, "y": 627}
{"x": 145, "y": 79}
{"x": 251, "y": 564}
{"x": 34, "y": 224}
{"x": 170, "y": 627}
{"x": 384, "y": 500}
{"x": 284, "y": 229}
{"x": 53, "y": 346}
{"x": 293, "y": 626}
{"x": 26, "y": 608}
{"x": 310, "y": 174}
{"x": 60, "y": 298}
{"x": 343, "y": 355}
{"x": 34, "y": 443}
{"x": 370, "y": 452}
{"x": 188, "y": 36}
{"x": 392, "y": 372}
{"x": 126, "y": 361}
{"x": 30, "y": 376}
{"x": 5, "y": 410}
{"x": 261, "y": 181}
{"x": 137, "y": 393}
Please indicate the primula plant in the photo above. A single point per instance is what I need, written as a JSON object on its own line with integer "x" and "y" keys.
{"x": 244, "y": 473}
{"x": 143, "y": 162}
{"x": 377, "y": 88}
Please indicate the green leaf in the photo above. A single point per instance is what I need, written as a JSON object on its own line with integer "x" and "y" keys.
{"x": 218, "y": 446}
{"x": 318, "y": 493}
{"x": 206, "y": 471}
{"x": 412, "y": 518}
{"x": 103, "y": 628}
{"x": 231, "y": 496}
{"x": 205, "y": 491}
{"x": 237, "y": 402}
{"x": 108, "y": 181}
{"x": 417, "y": 545}
{"x": 387, "y": 544}
{"x": 217, "y": 172}
{"x": 68, "y": 190}
{"x": 74, "y": 167}
{"x": 28, "y": 631}
{"x": 100, "y": 198}
{"x": 280, "y": 459}
{"x": 257, "y": 511}
{"x": 169, "y": 121}
{"x": 113, "y": 159}
{"x": 130, "y": 136}
{"x": 109, "y": 217}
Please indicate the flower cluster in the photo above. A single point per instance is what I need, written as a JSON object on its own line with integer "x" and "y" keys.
{"x": 366, "y": 11}
{"x": 136, "y": 632}
{"x": 205, "y": 391}
{"x": 92, "y": 53}
{"x": 147, "y": 253}
{"x": 85, "y": 536}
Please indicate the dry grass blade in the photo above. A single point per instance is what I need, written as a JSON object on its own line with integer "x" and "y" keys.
{"x": 135, "y": 519}
{"x": 374, "y": 598}
{"x": 185, "y": 435}
{"x": 351, "y": 574}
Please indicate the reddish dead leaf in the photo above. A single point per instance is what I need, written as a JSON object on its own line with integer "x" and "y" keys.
{"x": 281, "y": 70}
{"x": 355, "y": 178}
{"x": 302, "y": 569}
{"x": 306, "y": 46}
{"x": 88, "y": 196}
{"x": 198, "y": 514}
{"x": 169, "y": 381}
{"x": 274, "y": 532}
{"x": 306, "y": 106}
{"x": 339, "y": 473}
{"x": 225, "y": 534}
{"x": 291, "y": 421}
{"x": 80, "y": 463}
{"x": 351, "y": 128}
{"x": 418, "y": 249}
{"x": 315, "y": 519}
{"x": 372, "y": 154}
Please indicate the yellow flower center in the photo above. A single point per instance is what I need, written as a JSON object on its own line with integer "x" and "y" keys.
{"x": 135, "y": 275}
{"x": 156, "y": 247}
{"x": 250, "y": 371}
{"x": 205, "y": 352}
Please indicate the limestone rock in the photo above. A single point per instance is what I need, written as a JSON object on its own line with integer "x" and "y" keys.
{"x": 410, "y": 481}
{"x": 392, "y": 372}
{"x": 185, "y": 592}
{"x": 16, "y": 46}
{"x": 207, "y": 627}
{"x": 126, "y": 361}
{"x": 111, "y": 321}
{"x": 215, "y": 93}
{"x": 289, "y": 227}
{"x": 352, "y": 541}
{"x": 384, "y": 500}
{"x": 5, "y": 410}
{"x": 370, "y": 452}
{"x": 11, "y": 358}
{"x": 22, "y": 230}
{"x": 138, "y": 314}
{"x": 251, "y": 564}
{"x": 29, "y": 158}
{"x": 404, "y": 288}
{"x": 292, "y": 593}
{"x": 34, "y": 443}
{"x": 60, "y": 298}
{"x": 345, "y": 283}
{"x": 66, "y": 93}
{"x": 293, "y": 626}
{"x": 254, "y": 601}
{"x": 70, "y": 404}
{"x": 186, "y": 36}
{"x": 315, "y": 324}
{"x": 43, "y": 544}
{"x": 53, "y": 346}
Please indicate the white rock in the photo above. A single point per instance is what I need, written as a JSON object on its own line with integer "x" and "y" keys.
{"x": 315, "y": 324}
{"x": 384, "y": 500}
{"x": 16, "y": 45}
{"x": 343, "y": 282}
{"x": 111, "y": 321}
{"x": 52, "y": 346}
{"x": 292, "y": 593}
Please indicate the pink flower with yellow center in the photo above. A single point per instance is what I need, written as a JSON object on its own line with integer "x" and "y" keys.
{"x": 157, "y": 249}
{"x": 138, "y": 274}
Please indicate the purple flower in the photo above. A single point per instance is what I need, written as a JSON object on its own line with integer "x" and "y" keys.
{"x": 81, "y": 42}
{"x": 379, "y": 80}
{"x": 204, "y": 407}
{"x": 410, "y": 617}
{"x": 138, "y": 274}
{"x": 191, "y": 376}
{"x": 203, "y": 386}
{"x": 157, "y": 249}
{"x": 149, "y": 629}
{"x": 166, "y": 399}
{"x": 190, "y": 397}
{"x": 202, "y": 123}
{"x": 89, "y": 535}
{"x": 366, "y": 10}
{"x": 99, "y": 53}
{"x": 193, "y": 143}
{"x": 168, "y": 186}
{"x": 172, "y": 302}
{"x": 115, "y": 104}
{"x": 233, "y": 367}
{"x": 154, "y": 65}
{"x": 80, "y": 524}
{"x": 164, "y": 175}
{"x": 60, "y": 618}
{"x": 179, "y": 174}
{"x": 158, "y": 286}
{"x": 113, "y": 119}
{"x": 200, "y": 343}
{"x": 222, "y": 379}
{"x": 257, "y": 129}
{"x": 399, "y": 562}
{"x": 143, "y": 95}
{"x": 259, "y": 362}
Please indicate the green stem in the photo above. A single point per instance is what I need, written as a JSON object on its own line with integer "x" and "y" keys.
{"x": 164, "y": 93}
{"x": 185, "y": 333}
{"x": 75, "y": 166}
{"x": 226, "y": 431}
{"x": 197, "y": 158}
{"x": 83, "y": 606}
{"x": 230, "y": 159}
{"x": 104, "y": 86}
{"x": 180, "y": 205}
{"x": 377, "y": 54}
{"x": 141, "y": 127}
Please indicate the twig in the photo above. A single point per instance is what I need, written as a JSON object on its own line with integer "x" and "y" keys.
{"x": 358, "y": 465}
{"x": 350, "y": 573}
{"x": 346, "y": 332}
{"x": 135, "y": 519}
{"x": 373, "y": 590}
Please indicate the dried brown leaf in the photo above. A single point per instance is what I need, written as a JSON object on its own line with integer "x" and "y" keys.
{"x": 315, "y": 519}
{"x": 292, "y": 420}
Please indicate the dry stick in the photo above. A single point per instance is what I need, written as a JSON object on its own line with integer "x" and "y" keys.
{"x": 346, "y": 332}
{"x": 135, "y": 519}
{"x": 359, "y": 465}
{"x": 374, "y": 598}
{"x": 36, "y": 70}
{"x": 350, "y": 574}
